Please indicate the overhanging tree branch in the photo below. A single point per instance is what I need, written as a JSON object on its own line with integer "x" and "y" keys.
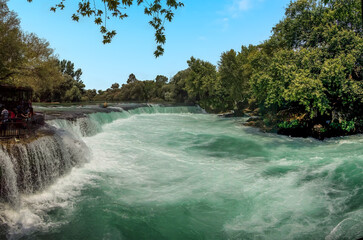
{"x": 158, "y": 10}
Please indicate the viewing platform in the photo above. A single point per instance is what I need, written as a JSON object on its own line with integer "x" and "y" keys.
{"x": 17, "y": 118}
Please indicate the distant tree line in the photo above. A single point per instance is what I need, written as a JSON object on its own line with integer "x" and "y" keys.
{"x": 157, "y": 90}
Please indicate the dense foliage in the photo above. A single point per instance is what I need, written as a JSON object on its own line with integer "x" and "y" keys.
{"x": 307, "y": 75}
{"x": 314, "y": 72}
{"x": 157, "y": 90}
{"x": 27, "y": 60}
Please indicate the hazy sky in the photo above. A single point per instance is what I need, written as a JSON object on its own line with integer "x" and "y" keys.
{"x": 203, "y": 29}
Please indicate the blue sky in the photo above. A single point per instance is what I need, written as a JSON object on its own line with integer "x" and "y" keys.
{"x": 203, "y": 29}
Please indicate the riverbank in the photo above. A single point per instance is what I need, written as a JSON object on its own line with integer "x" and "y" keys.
{"x": 294, "y": 129}
{"x": 264, "y": 124}
{"x": 295, "y": 125}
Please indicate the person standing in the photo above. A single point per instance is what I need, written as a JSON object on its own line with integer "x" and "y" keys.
{"x": 4, "y": 120}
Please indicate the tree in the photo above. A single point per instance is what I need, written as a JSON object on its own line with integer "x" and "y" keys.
{"x": 314, "y": 65}
{"x": 132, "y": 78}
{"x": 159, "y": 11}
{"x": 115, "y": 86}
{"x": 39, "y": 69}
{"x": 178, "y": 90}
{"x": 73, "y": 95}
{"x": 11, "y": 44}
{"x": 89, "y": 95}
{"x": 161, "y": 79}
{"x": 149, "y": 90}
{"x": 234, "y": 72}
{"x": 306, "y": 21}
{"x": 67, "y": 67}
{"x": 361, "y": 3}
{"x": 72, "y": 77}
{"x": 134, "y": 92}
{"x": 203, "y": 85}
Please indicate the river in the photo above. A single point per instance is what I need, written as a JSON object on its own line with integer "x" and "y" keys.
{"x": 178, "y": 173}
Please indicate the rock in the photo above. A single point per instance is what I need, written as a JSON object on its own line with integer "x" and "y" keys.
{"x": 227, "y": 114}
{"x": 255, "y": 112}
{"x": 318, "y": 127}
{"x": 318, "y": 132}
{"x": 253, "y": 119}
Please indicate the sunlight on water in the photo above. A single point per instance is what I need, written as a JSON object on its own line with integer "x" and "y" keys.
{"x": 178, "y": 174}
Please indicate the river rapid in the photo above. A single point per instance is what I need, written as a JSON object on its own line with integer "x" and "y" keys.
{"x": 178, "y": 173}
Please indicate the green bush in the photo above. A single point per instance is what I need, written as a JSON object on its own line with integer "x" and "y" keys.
{"x": 347, "y": 126}
{"x": 290, "y": 124}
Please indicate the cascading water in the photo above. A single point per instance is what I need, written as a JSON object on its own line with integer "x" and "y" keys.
{"x": 92, "y": 124}
{"x": 172, "y": 173}
{"x": 29, "y": 167}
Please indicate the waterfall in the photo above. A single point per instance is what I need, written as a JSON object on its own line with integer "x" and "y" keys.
{"x": 92, "y": 124}
{"x": 29, "y": 167}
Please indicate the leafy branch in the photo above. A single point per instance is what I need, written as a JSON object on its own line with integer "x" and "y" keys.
{"x": 159, "y": 11}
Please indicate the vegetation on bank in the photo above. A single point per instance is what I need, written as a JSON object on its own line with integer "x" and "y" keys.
{"x": 305, "y": 80}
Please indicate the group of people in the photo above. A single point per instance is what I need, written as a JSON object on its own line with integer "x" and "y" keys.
{"x": 19, "y": 115}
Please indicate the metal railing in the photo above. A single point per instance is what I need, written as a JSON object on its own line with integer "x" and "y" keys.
{"x": 15, "y": 128}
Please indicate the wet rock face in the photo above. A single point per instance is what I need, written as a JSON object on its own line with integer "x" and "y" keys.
{"x": 27, "y": 167}
{"x": 3, "y": 229}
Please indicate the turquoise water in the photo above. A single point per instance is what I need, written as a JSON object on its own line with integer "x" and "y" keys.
{"x": 175, "y": 173}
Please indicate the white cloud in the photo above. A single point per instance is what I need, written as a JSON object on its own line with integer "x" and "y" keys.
{"x": 236, "y": 7}
{"x": 240, "y": 5}
{"x": 223, "y": 23}
{"x": 243, "y": 5}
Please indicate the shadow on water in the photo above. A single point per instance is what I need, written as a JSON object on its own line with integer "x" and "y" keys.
{"x": 278, "y": 171}
{"x": 223, "y": 146}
